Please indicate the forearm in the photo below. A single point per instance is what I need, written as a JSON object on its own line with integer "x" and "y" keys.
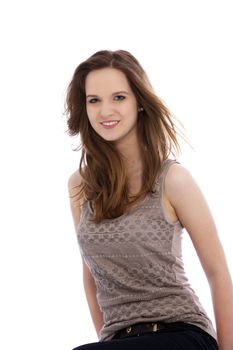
{"x": 222, "y": 295}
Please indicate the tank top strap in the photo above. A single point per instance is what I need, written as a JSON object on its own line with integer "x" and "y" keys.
{"x": 159, "y": 184}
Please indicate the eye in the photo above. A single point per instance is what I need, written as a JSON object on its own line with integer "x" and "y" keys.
{"x": 93, "y": 100}
{"x": 119, "y": 97}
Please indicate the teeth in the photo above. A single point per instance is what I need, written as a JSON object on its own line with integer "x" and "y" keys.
{"x": 110, "y": 123}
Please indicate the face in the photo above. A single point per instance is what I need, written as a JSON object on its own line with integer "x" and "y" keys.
{"x": 111, "y": 105}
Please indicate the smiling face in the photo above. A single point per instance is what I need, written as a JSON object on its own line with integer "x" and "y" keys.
{"x": 111, "y": 105}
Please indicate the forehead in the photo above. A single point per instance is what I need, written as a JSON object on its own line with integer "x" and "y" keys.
{"x": 106, "y": 79}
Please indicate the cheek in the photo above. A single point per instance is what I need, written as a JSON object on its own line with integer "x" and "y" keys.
{"x": 91, "y": 114}
{"x": 130, "y": 109}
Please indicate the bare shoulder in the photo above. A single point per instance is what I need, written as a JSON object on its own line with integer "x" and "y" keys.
{"x": 179, "y": 178}
{"x": 182, "y": 191}
{"x": 74, "y": 182}
{"x": 186, "y": 197}
{"x": 178, "y": 172}
{"x": 176, "y": 178}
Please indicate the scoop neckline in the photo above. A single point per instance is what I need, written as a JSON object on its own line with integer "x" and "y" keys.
{"x": 141, "y": 203}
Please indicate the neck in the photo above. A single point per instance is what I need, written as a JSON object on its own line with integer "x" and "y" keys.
{"x": 131, "y": 152}
{"x": 132, "y": 159}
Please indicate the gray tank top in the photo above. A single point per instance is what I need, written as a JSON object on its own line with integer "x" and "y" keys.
{"x": 136, "y": 262}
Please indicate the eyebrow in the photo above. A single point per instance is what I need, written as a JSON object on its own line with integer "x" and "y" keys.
{"x": 115, "y": 93}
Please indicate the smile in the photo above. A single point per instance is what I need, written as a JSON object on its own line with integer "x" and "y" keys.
{"x": 110, "y": 124}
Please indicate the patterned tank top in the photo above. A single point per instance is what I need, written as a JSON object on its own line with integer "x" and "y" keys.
{"x": 136, "y": 263}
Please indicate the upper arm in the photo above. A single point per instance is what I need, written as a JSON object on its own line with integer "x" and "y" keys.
{"x": 75, "y": 205}
{"x": 194, "y": 214}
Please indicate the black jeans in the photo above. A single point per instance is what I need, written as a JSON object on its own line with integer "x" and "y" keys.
{"x": 185, "y": 337}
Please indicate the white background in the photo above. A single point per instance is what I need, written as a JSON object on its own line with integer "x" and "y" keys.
{"x": 186, "y": 49}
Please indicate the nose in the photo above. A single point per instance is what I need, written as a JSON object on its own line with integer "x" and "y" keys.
{"x": 106, "y": 109}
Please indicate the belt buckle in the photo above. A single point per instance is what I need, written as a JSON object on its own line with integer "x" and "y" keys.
{"x": 155, "y": 327}
{"x": 128, "y": 330}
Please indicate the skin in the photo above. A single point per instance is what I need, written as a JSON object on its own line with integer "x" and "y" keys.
{"x": 180, "y": 187}
{"x": 109, "y": 97}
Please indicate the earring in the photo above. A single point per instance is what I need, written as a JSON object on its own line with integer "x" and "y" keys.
{"x": 140, "y": 109}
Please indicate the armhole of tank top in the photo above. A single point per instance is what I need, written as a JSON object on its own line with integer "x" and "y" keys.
{"x": 166, "y": 167}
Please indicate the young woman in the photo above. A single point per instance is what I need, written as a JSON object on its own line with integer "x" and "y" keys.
{"x": 130, "y": 203}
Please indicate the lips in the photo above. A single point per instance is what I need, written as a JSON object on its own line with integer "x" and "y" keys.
{"x": 109, "y": 124}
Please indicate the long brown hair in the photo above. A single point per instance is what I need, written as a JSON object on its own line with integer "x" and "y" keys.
{"x": 104, "y": 180}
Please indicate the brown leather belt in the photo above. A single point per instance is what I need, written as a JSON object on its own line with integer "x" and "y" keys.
{"x": 144, "y": 328}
